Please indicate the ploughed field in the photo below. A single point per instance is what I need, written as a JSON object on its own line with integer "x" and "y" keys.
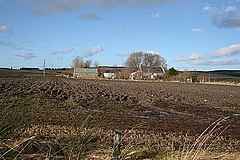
{"x": 150, "y": 109}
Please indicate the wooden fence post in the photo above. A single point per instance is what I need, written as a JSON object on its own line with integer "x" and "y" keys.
{"x": 117, "y": 144}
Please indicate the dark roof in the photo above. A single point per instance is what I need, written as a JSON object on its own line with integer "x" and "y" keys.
{"x": 112, "y": 67}
{"x": 109, "y": 69}
{"x": 152, "y": 70}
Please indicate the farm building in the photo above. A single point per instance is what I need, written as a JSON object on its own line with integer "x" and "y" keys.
{"x": 148, "y": 73}
{"x": 109, "y": 72}
{"x": 109, "y": 75}
{"x": 85, "y": 73}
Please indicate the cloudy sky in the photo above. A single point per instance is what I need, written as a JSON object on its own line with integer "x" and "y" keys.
{"x": 189, "y": 34}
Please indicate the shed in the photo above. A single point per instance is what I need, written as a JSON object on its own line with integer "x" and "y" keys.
{"x": 85, "y": 73}
{"x": 109, "y": 75}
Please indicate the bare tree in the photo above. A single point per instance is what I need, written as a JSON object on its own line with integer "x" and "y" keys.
{"x": 78, "y": 62}
{"x": 134, "y": 60}
{"x": 146, "y": 59}
{"x": 87, "y": 63}
{"x": 96, "y": 64}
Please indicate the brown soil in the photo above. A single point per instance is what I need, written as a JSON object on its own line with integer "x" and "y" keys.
{"x": 148, "y": 106}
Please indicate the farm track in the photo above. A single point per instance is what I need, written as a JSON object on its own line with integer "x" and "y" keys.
{"x": 154, "y": 107}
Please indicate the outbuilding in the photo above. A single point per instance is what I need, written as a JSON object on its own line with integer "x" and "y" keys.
{"x": 91, "y": 73}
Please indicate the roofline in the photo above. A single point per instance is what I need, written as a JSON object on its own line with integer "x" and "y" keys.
{"x": 110, "y": 67}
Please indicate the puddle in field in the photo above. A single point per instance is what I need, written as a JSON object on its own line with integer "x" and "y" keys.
{"x": 143, "y": 117}
{"x": 236, "y": 114}
{"x": 147, "y": 111}
{"x": 163, "y": 114}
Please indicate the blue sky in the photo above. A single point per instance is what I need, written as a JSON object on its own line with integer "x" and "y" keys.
{"x": 189, "y": 34}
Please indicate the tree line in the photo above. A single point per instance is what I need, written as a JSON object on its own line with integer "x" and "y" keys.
{"x": 145, "y": 59}
{"x": 134, "y": 60}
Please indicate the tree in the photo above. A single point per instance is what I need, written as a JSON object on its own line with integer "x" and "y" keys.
{"x": 172, "y": 72}
{"x": 96, "y": 64}
{"x": 78, "y": 62}
{"x": 87, "y": 63}
{"x": 134, "y": 60}
{"x": 194, "y": 76}
{"x": 146, "y": 59}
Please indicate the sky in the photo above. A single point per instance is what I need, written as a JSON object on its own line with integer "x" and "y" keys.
{"x": 189, "y": 34}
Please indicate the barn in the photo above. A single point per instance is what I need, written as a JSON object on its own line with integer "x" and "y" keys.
{"x": 91, "y": 73}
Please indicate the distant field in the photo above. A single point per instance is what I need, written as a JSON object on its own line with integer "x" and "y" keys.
{"x": 224, "y": 78}
{"x": 24, "y": 73}
{"x": 225, "y": 75}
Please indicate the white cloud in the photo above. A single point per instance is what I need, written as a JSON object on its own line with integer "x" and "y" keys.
{"x": 156, "y": 15}
{"x": 95, "y": 50}
{"x": 196, "y": 30}
{"x": 6, "y": 29}
{"x": 64, "y": 51}
{"x": 91, "y": 16}
{"x": 227, "y": 21}
{"x": 218, "y": 62}
{"x": 147, "y": 3}
{"x": 230, "y": 9}
{"x": 225, "y": 17}
{"x": 192, "y": 57}
{"x": 54, "y": 6}
{"x": 12, "y": 45}
{"x": 26, "y": 56}
{"x": 207, "y": 8}
{"x": 109, "y": 4}
{"x": 227, "y": 51}
{"x": 222, "y": 56}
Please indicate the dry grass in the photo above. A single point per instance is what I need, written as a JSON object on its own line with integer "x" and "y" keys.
{"x": 208, "y": 137}
{"x": 136, "y": 145}
{"x": 61, "y": 142}
{"x": 22, "y": 139}
{"x": 224, "y": 83}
